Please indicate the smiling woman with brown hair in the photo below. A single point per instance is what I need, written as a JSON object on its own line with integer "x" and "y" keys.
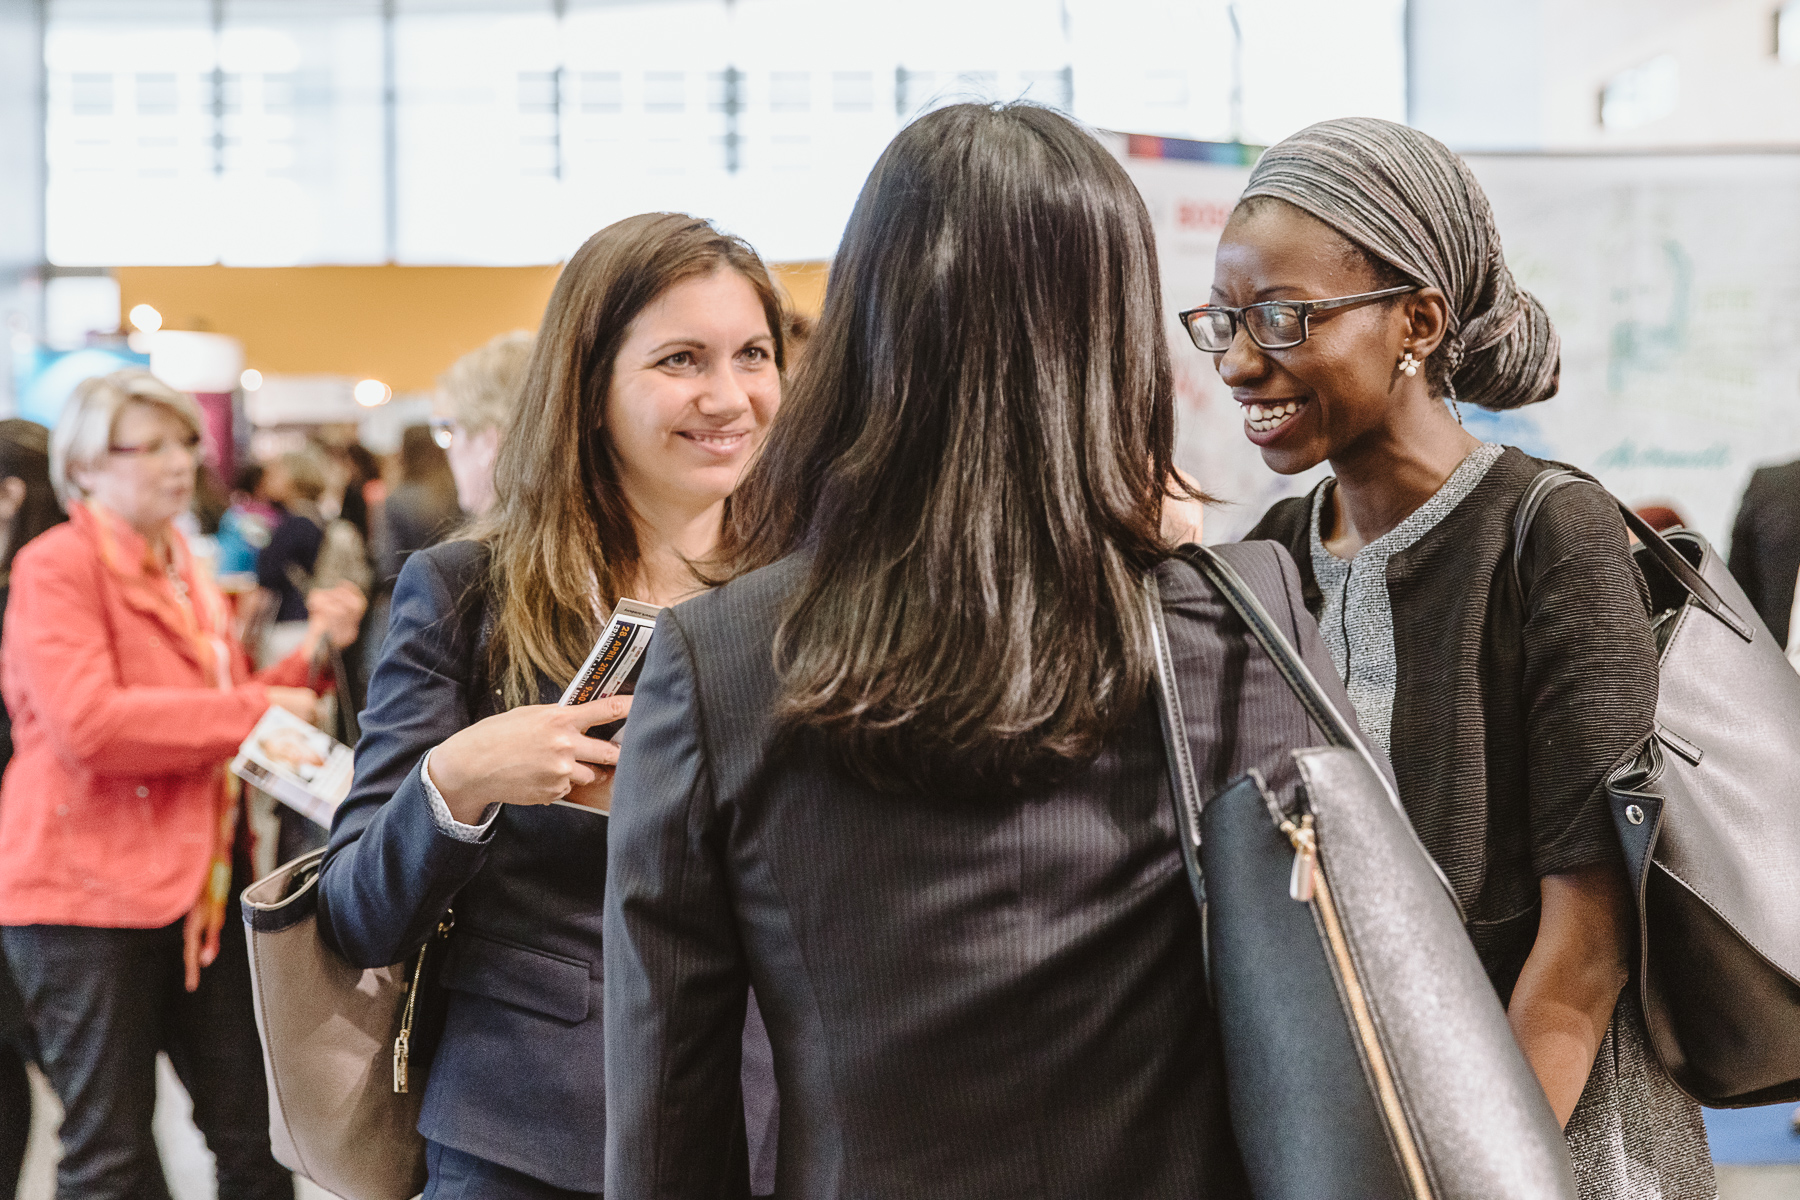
{"x": 1359, "y": 294}
{"x": 651, "y": 384}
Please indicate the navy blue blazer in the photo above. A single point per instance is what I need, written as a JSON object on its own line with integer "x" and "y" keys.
{"x": 518, "y": 1074}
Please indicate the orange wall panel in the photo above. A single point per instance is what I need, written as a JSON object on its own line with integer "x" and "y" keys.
{"x": 401, "y": 325}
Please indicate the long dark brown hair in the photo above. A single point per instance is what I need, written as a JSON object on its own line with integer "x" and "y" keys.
{"x": 974, "y": 451}
{"x": 25, "y": 455}
{"x": 560, "y": 530}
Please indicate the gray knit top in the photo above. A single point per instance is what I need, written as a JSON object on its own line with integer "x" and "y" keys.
{"x": 1357, "y": 620}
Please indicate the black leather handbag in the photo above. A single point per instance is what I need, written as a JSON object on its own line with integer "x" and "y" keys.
{"x": 1709, "y": 817}
{"x": 1366, "y": 1053}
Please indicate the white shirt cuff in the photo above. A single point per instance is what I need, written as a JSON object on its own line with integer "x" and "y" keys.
{"x": 440, "y": 811}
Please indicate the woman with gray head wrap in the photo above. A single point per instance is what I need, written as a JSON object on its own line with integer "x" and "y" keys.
{"x": 1403, "y": 199}
{"x": 1359, "y": 293}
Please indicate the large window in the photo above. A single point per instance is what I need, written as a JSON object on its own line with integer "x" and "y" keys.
{"x": 177, "y": 137}
{"x": 486, "y": 131}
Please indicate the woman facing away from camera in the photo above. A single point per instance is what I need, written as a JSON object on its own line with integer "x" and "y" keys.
{"x": 652, "y": 382}
{"x": 904, "y": 773}
{"x": 1358, "y": 286}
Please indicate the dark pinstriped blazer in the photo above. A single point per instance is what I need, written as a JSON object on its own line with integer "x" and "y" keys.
{"x": 965, "y": 1000}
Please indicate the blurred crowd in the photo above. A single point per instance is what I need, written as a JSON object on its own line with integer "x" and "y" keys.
{"x": 166, "y": 614}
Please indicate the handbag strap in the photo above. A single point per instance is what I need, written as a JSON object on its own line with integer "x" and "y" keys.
{"x": 1294, "y": 672}
{"x": 1658, "y": 547}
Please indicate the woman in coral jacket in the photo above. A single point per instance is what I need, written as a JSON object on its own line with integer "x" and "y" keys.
{"x": 117, "y": 819}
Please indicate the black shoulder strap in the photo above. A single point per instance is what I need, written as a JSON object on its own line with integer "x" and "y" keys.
{"x": 1669, "y": 558}
{"x": 1294, "y": 672}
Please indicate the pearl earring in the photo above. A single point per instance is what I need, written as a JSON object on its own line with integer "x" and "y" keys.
{"x": 1409, "y": 365}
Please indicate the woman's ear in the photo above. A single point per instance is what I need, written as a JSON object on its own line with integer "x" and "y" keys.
{"x": 1427, "y": 321}
{"x": 82, "y": 476}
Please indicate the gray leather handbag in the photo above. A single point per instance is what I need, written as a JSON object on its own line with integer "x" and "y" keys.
{"x": 1709, "y": 818}
{"x": 341, "y": 1052}
{"x": 1366, "y": 1053}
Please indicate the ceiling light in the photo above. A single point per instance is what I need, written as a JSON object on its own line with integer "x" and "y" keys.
{"x": 372, "y": 393}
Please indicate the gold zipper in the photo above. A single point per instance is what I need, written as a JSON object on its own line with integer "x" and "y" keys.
{"x": 1307, "y": 884}
{"x": 403, "y": 1041}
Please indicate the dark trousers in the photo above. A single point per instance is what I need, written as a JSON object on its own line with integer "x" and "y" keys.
{"x": 101, "y": 1003}
{"x": 15, "y": 1085}
{"x": 458, "y": 1176}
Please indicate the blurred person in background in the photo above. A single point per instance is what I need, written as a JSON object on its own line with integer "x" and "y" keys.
{"x": 293, "y": 483}
{"x": 28, "y": 506}
{"x": 420, "y": 510}
{"x": 120, "y": 854}
{"x": 356, "y": 467}
{"x": 1359, "y": 291}
{"x": 1765, "y": 544}
{"x": 244, "y": 529}
{"x": 307, "y": 550}
{"x": 653, "y": 380}
{"x": 475, "y": 400}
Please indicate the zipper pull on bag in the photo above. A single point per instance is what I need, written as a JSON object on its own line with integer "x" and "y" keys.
{"x": 1306, "y": 853}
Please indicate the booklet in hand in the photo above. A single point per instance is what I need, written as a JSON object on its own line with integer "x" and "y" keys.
{"x": 305, "y": 768}
{"x": 612, "y": 666}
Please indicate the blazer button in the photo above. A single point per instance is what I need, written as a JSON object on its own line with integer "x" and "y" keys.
{"x": 62, "y": 810}
{"x": 155, "y": 642}
{"x": 142, "y": 791}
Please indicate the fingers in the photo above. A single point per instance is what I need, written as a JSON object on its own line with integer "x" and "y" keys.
{"x": 603, "y": 711}
{"x": 596, "y": 750}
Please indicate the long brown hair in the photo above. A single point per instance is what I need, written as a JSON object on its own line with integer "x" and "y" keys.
{"x": 560, "y": 531}
{"x": 973, "y": 450}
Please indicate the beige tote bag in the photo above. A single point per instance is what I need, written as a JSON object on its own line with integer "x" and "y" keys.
{"x": 344, "y": 1089}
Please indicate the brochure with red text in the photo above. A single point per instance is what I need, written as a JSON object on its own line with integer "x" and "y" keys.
{"x": 612, "y": 666}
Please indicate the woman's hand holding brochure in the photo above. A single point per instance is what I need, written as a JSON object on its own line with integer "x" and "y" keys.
{"x": 540, "y": 753}
{"x": 535, "y": 754}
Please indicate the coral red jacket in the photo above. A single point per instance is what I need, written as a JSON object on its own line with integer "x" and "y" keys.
{"x": 110, "y": 805}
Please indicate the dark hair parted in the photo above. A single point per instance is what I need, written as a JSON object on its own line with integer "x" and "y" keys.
{"x": 560, "y": 530}
{"x": 973, "y": 450}
{"x": 25, "y": 456}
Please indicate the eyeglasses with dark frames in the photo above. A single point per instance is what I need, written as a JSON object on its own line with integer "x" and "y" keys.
{"x": 1273, "y": 324}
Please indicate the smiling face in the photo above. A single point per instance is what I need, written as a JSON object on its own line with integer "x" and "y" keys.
{"x": 694, "y": 388}
{"x": 1317, "y": 400}
{"x": 147, "y": 474}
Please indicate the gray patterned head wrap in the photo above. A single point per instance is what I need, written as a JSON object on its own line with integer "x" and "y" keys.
{"x": 1404, "y": 198}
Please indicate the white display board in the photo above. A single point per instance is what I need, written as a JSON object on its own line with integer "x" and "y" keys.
{"x": 1674, "y": 280}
